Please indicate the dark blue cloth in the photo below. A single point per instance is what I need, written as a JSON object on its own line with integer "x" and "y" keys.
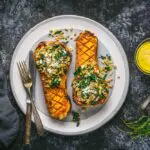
{"x": 9, "y": 120}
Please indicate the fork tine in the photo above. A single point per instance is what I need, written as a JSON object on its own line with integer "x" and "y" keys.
{"x": 20, "y": 71}
{"x": 25, "y": 67}
{"x": 26, "y": 70}
{"x": 18, "y": 65}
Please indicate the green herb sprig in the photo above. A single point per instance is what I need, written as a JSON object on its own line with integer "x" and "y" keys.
{"x": 76, "y": 117}
{"x": 139, "y": 127}
{"x": 55, "y": 81}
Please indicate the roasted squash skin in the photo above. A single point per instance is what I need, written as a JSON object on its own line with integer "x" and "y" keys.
{"x": 56, "y": 98}
{"x": 86, "y": 53}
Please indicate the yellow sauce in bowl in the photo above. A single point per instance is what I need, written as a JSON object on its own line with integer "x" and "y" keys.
{"x": 142, "y": 56}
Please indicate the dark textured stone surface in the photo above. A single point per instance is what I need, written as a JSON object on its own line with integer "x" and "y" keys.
{"x": 129, "y": 20}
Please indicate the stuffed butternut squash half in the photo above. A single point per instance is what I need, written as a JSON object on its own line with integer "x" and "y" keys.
{"x": 53, "y": 60}
{"x": 89, "y": 86}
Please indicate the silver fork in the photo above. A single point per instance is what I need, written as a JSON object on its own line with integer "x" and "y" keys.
{"x": 37, "y": 119}
{"x": 27, "y": 82}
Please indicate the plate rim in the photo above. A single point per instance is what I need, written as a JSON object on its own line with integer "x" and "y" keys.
{"x": 122, "y": 52}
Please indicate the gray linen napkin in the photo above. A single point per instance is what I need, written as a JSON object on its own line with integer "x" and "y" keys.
{"x": 9, "y": 120}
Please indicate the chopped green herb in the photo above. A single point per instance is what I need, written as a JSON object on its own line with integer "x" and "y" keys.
{"x": 85, "y": 95}
{"x": 85, "y": 82}
{"x": 42, "y": 56}
{"x": 108, "y": 68}
{"x": 77, "y": 72}
{"x": 93, "y": 102}
{"x": 55, "y": 82}
{"x": 105, "y": 89}
{"x": 58, "y": 32}
{"x": 104, "y": 77}
{"x": 109, "y": 57}
{"x": 76, "y": 117}
{"x": 44, "y": 65}
{"x": 93, "y": 77}
{"x": 59, "y": 55}
{"x": 55, "y": 46}
{"x": 102, "y": 96}
{"x": 102, "y": 57}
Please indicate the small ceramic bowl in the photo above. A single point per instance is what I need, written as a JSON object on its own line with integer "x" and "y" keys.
{"x": 140, "y": 67}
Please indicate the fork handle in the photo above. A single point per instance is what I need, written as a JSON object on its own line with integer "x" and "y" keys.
{"x": 38, "y": 122}
{"x": 28, "y": 124}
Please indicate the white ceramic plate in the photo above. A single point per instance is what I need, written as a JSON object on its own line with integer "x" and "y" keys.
{"x": 90, "y": 120}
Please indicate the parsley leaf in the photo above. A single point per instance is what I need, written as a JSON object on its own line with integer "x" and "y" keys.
{"x": 55, "y": 82}
{"x": 76, "y": 117}
{"x": 77, "y": 72}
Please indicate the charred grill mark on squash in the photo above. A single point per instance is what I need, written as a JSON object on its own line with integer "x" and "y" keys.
{"x": 86, "y": 45}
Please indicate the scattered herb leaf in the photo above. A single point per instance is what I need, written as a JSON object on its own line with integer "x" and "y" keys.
{"x": 93, "y": 102}
{"x": 55, "y": 46}
{"x": 76, "y": 117}
{"x": 102, "y": 96}
{"x": 58, "y": 32}
{"x": 109, "y": 57}
{"x": 77, "y": 72}
{"x": 102, "y": 57}
{"x": 104, "y": 77}
{"x": 55, "y": 82}
{"x": 42, "y": 56}
{"x": 139, "y": 127}
{"x": 108, "y": 68}
{"x": 59, "y": 55}
{"x": 85, "y": 82}
{"x": 93, "y": 77}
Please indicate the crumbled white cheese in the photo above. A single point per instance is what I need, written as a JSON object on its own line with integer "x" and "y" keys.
{"x": 48, "y": 60}
{"x": 54, "y": 64}
{"x": 89, "y": 90}
{"x": 86, "y": 90}
{"x": 93, "y": 91}
{"x": 49, "y": 70}
{"x": 49, "y": 54}
{"x": 64, "y": 52}
{"x": 41, "y": 61}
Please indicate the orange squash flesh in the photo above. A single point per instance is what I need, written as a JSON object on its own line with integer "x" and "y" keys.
{"x": 86, "y": 49}
{"x": 56, "y": 98}
{"x": 86, "y": 52}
